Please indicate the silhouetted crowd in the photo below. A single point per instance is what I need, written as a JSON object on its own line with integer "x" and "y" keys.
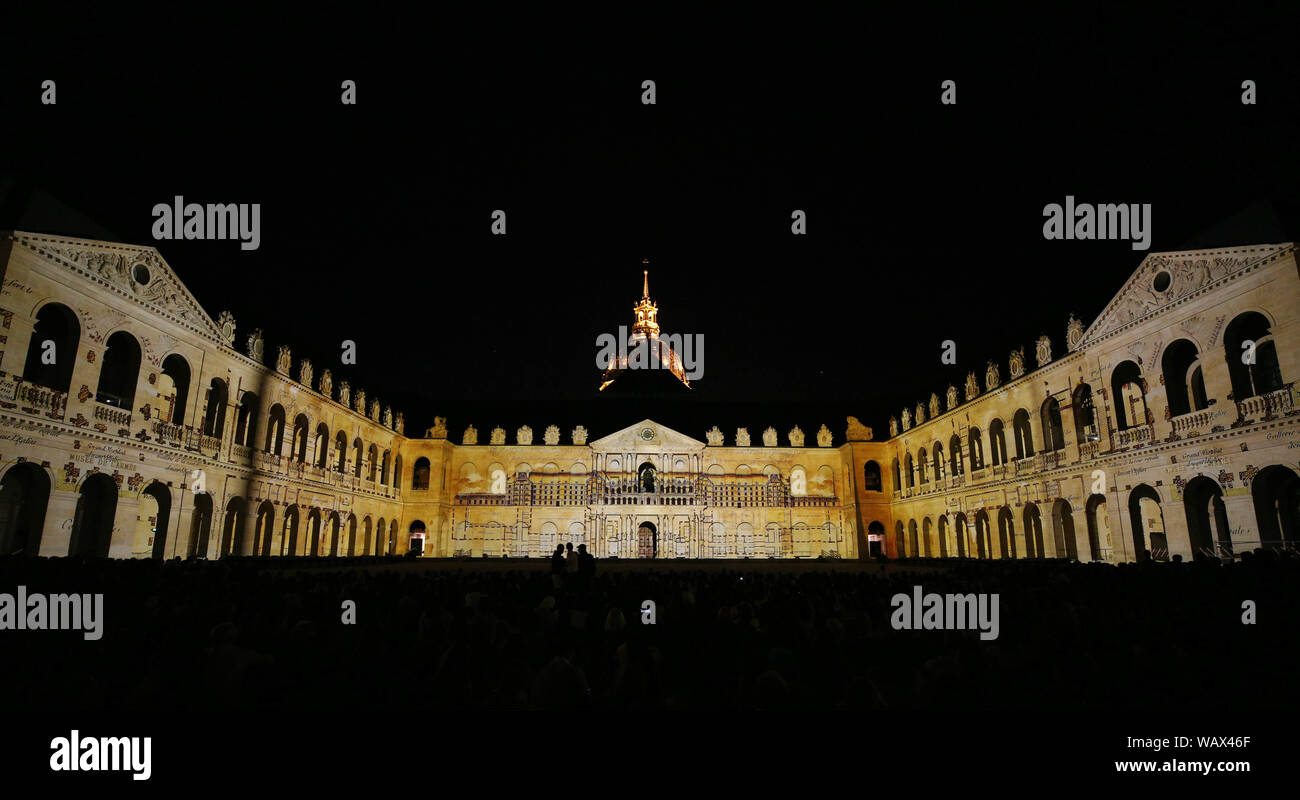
{"x": 567, "y": 633}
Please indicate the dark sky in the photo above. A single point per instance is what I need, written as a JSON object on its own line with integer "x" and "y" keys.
{"x": 924, "y": 221}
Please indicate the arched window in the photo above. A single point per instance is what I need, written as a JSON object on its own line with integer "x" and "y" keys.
{"x": 322, "y": 454}
{"x": 1024, "y": 437}
{"x": 975, "y": 446}
{"x": 898, "y": 477}
{"x": 997, "y": 443}
{"x": 955, "y": 462}
{"x": 938, "y": 461}
{"x": 300, "y": 428}
{"x": 420, "y": 475}
{"x": 871, "y": 476}
{"x": 383, "y": 474}
{"x": 646, "y": 477}
{"x": 358, "y": 456}
{"x": 910, "y": 474}
{"x": 246, "y": 419}
{"x": 275, "y": 430}
{"x": 1085, "y": 420}
{"x": 1265, "y": 374}
{"x": 50, "y": 365}
{"x": 177, "y": 368}
{"x": 214, "y": 414}
{"x": 374, "y": 462}
{"x": 1184, "y": 382}
{"x": 1053, "y": 435}
{"x": 922, "y": 461}
{"x": 397, "y": 473}
{"x": 1129, "y": 394}
{"x": 119, "y": 372}
{"x": 341, "y": 448}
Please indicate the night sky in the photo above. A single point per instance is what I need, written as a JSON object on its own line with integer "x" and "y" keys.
{"x": 924, "y": 220}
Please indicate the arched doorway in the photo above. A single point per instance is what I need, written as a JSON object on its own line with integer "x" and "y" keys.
{"x": 875, "y": 539}
{"x": 92, "y": 527}
{"x": 381, "y": 537}
{"x": 418, "y": 534}
{"x": 289, "y": 537}
{"x": 1098, "y": 526}
{"x": 913, "y": 547}
{"x": 152, "y": 518}
{"x": 352, "y": 535}
{"x": 1148, "y": 522}
{"x": 1063, "y": 530}
{"x": 24, "y": 496}
{"x": 900, "y": 544}
{"x": 647, "y": 540}
{"x": 983, "y": 540}
{"x": 944, "y": 549}
{"x": 959, "y": 528}
{"x": 1033, "y": 532}
{"x": 1006, "y": 533}
{"x": 265, "y": 528}
{"x": 313, "y": 532}
{"x": 1276, "y": 495}
{"x": 200, "y": 526}
{"x": 927, "y": 531}
{"x": 1207, "y": 518}
{"x": 336, "y": 527}
{"x": 232, "y": 528}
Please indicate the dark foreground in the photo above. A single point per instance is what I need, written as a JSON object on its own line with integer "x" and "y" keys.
{"x": 268, "y": 635}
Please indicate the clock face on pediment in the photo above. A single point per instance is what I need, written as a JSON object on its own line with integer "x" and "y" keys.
{"x": 647, "y": 434}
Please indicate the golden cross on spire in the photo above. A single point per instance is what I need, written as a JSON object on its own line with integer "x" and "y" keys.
{"x": 645, "y": 274}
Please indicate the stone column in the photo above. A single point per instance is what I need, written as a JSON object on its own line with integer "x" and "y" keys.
{"x": 1241, "y": 521}
{"x": 56, "y": 535}
{"x": 125, "y": 519}
{"x": 20, "y": 331}
{"x": 1179, "y": 538}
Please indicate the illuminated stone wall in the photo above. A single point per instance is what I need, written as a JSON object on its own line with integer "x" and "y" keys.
{"x": 1198, "y": 468}
{"x": 1198, "y": 462}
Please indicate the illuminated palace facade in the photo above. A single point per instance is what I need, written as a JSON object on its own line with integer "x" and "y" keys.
{"x": 134, "y": 425}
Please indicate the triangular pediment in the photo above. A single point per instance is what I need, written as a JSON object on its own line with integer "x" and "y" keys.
{"x": 1189, "y": 272}
{"x": 646, "y": 435}
{"x": 114, "y": 266}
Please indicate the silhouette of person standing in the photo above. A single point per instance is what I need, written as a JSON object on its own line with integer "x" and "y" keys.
{"x": 557, "y": 567}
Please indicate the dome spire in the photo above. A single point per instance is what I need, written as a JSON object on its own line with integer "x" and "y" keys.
{"x": 646, "y": 311}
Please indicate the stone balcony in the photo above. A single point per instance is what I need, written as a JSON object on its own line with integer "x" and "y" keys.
{"x": 1133, "y": 437}
{"x": 1192, "y": 424}
{"x": 170, "y": 434}
{"x": 30, "y": 398}
{"x": 111, "y": 419}
{"x": 1268, "y": 406}
{"x": 1050, "y": 459}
